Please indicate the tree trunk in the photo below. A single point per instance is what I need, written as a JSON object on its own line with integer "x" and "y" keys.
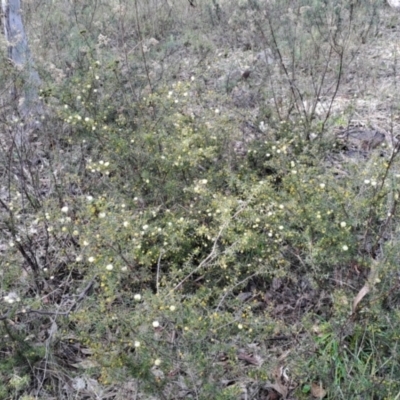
{"x": 26, "y": 93}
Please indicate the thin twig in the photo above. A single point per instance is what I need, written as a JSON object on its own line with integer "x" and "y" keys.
{"x": 158, "y": 272}
{"x": 141, "y": 47}
{"x": 213, "y": 254}
{"x": 210, "y": 257}
{"x": 238, "y": 284}
{"x": 43, "y": 312}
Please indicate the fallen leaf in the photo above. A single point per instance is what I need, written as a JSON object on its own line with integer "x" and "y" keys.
{"x": 317, "y": 390}
{"x": 284, "y": 355}
{"x": 278, "y": 387}
{"x": 255, "y": 360}
{"x": 373, "y": 278}
{"x": 272, "y": 395}
{"x": 281, "y": 379}
{"x": 361, "y": 294}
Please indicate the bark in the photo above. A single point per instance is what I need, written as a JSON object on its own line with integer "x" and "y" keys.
{"x": 27, "y": 89}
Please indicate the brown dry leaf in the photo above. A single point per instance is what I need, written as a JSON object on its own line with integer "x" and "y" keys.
{"x": 317, "y": 390}
{"x": 284, "y": 355}
{"x": 280, "y": 378}
{"x": 372, "y": 279}
{"x": 171, "y": 336}
{"x": 361, "y": 294}
{"x": 255, "y": 360}
{"x": 279, "y": 388}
